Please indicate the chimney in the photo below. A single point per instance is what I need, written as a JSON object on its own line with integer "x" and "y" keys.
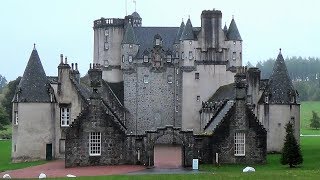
{"x": 210, "y": 29}
{"x": 240, "y": 102}
{"x": 95, "y": 75}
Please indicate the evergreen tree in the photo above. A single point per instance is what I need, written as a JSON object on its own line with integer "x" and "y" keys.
{"x": 291, "y": 152}
{"x": 7, "y": 101}
{"x": 315, "y": 120}
{"x": 3, "y": 118}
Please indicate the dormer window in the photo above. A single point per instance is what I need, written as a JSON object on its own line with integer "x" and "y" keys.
{"x": 158, "y": 42}
{"x": 169, "y": 58}
{"x": 145, "y": 58}
{"x": 130, "y": 59}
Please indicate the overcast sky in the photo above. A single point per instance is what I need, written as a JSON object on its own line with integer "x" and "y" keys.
{"x": 65, "y": 26}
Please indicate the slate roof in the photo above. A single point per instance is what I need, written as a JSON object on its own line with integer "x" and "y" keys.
{"x": 135, "y": 15}
{"x": 145, "y": 37}
{"x": 223, "y": 93}
{"x": 34, "y": 85}
{"x": 225, "y": 29}
{"x": 129, "y": 35}
{"x": 178, "y": 36}
{"x": 233, "y": 32}
{"x": 280, "y": 85}
{"x": 188, "y": 33}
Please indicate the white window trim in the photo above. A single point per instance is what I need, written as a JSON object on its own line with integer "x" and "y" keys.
{"x": 16, "y": 118}
{"x": 65, "y": 116}
{"x": 239, "y": 144}
{"x": 95, "y": 144}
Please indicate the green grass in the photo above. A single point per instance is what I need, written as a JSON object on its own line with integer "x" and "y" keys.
{"x": 306, "y": 109}
{"x": 5, "y": 158}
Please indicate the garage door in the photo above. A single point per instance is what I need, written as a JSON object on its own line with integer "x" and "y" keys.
{"x": 167, "y": 156}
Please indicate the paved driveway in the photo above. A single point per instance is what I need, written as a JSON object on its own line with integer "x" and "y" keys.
{"x": 57, "y": 169}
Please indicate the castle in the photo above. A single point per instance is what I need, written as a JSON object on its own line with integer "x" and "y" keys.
{"x": 173, "y": 86}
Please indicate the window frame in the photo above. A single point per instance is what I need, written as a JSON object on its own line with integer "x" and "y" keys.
{"x": 239, "y": 144}
{"x": 95, "y": 144}
{"x": 65, "y": 117}
{"x": 15, "y": 118}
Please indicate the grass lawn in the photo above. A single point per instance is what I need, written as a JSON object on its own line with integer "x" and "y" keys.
{"x": 306, "y": 109}
{"x": 5, "y": 158}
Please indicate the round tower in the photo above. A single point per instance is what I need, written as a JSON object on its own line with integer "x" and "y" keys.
{"x": 108, "y": 35}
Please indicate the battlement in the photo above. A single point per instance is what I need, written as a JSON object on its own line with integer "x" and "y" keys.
{"x": 211, "y": 13}
{"x": 107, "y": 22}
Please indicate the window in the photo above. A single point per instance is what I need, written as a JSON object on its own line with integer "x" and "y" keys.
{"x": 177, "y": 110}
{"x": 234, "y": 56}
{"x": 158, "y": 42}
{"x": 130, "y": 59}
{"x": 190, "y": 42}
{"x": 169, "y": 58}
{"x": 106, "y": 46}
{"x": 198, "y": 98}
{"x": 190, "y": 55}
{"x": 15, "y": 118}
{"x": 234, "y": 42}
{"x": 146, "y": 79}
{"x": 130, "y": 46}
{"x": 177, "y": 54}
{"x": 239, "y": 144}
{"x": 266, "y": 99}
{"x": 65, "y": 116}
{"x": 123, "y": 59}
{"x": 95, "y": 144}
{"x": 106, "y": 32}
{"x": 182, "y": 55}
{"x": 177, "y": 71}
{"x": 106, "y": 63}
{"x": 169, "y": 78}
{"x": 196, "y": 76}
{"x": 145, "y": 59}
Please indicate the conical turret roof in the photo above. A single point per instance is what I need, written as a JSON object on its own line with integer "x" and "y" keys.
{"x": 225, "y": 29}
{"x": 177, "y": 40}
{"x": 280, "y": 86}
{"x": 233, "y": 32}
{"x": 129, "y": 36}
{"x": 34, "y": 85}
{"x": 187, "y": 33}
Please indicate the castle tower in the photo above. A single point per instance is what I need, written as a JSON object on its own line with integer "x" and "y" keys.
{"x": 234, "y": 45}
{"x": 137, "y": 20}
{"x": 108, "y": 35}
{"x": 187, "y": 45}
{"x": 279, "y": 105}
{"x": 33, "y": 115}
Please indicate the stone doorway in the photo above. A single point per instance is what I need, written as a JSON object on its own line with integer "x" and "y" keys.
{"x": 167, "y": 156}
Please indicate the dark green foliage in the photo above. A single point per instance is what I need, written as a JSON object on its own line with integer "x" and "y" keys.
{"x": 3, "y": 82}
{"x": 7, "y": 101}
{"x": 315, "y": 121}
{"x": 291, "y": 153}
{"x": 3, "y": 118}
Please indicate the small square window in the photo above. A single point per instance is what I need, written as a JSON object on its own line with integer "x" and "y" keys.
{"x": 146, "y": 79}
{"x": 196, "y": 76}
{"x": 130, "y": 59}
{"x": 198, "y": 98}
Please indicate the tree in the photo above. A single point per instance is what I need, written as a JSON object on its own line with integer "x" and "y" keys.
{"x": 3, "y": 82}
{"x": 291, "y": 152}
{"x": 315, "y": 120}
{"x": 3, "y": 118}
{"x": 7, "y": 101}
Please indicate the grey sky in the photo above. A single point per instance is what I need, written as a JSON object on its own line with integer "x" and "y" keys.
{"x": 65, "y": 26}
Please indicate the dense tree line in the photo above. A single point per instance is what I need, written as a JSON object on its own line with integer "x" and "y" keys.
{"x": 3, "y": 83}
{"x": 304, "y": 72}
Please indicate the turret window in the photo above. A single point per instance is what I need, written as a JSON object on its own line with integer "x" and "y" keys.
{"x": 196, "y": 76}
{"x": 239, "y": 144}
{"x": 95, "y": 144}
{"x": 130, "y": 59}
{"x": 65, "y": 116}
{"x": 234, "y": 56}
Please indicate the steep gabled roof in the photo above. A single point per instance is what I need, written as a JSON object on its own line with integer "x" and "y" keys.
{"x": 177, "y": 40}
{"x": 280, "y": 85}
{"x": 34, "y": 85}
{"x": 188, "y": 33}
{"x": 233, "y": 32}
{"x": 129, "y": 36}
